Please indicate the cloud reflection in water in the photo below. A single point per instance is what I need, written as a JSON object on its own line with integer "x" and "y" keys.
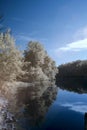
{"x": 78, "y": 106}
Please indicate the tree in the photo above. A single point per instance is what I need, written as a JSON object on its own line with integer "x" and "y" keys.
{"x": 37, "y": 64}
{"x": 35, "y": 53}
{"x": 10, "y": 58}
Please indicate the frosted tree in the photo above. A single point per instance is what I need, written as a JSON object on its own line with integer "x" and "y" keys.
{"x": 49, "y": 67}
{"x": 10, "y": 58}
{"x": 38, "y": 65}
{"x": 35, "y": 54}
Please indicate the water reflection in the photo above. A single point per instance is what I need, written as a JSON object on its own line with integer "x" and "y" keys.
{"x": 72, "y": 99}
{"x": 36, "y": 106}
{"x": 74, "y": 84}
{"x": 32, "y": 102}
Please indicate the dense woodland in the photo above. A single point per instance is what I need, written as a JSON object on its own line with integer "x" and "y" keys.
{"x": 76, "y": 68}
{"x": 73, "y": 76}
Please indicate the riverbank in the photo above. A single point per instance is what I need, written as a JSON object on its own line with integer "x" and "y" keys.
{"x": 7, "y": 120}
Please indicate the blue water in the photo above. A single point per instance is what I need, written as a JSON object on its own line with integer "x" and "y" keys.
{"x": 65, "y": 113}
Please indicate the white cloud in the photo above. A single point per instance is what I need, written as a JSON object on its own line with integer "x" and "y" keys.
{"x": 78, "y": 107}
{"x": 79, "y": 42}
{"x": 74, "y": 46}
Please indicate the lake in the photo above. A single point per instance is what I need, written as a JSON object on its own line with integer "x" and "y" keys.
{"x": 57, "y": 108}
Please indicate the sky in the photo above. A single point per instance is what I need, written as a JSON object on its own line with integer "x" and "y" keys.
{"x": 60, "y": 25}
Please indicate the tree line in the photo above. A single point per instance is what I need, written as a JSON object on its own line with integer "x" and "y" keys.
{"x": 32, "y": 65}
{"x": 75, "y": 68}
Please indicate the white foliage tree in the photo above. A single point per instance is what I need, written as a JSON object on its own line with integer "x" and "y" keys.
{"x": 35, "y": 54}
{"x": 10, "y": 58}
{"x": 38, "y": 65}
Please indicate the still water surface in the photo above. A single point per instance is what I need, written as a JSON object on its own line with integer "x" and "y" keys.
{"x": 58, "y": 108}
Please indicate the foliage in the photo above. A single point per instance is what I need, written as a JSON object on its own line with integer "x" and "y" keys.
{"x": 76, "y": 68}
{"x": 10, "y": 58}
{"x": 38, "y": 65}
{"x": 35, "y": 66}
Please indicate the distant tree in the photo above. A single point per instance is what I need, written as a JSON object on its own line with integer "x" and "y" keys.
{"x": 37, "y": 64}
{"x": 75, "y": 68}
{"x": 10, "y": 58}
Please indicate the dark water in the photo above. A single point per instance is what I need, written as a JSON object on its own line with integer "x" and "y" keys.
{"x": 58, "y": 108}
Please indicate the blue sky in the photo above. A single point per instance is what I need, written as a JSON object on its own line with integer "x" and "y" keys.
{"x": 60, "y": 25}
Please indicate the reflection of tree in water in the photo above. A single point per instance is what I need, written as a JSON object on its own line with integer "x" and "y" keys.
{"x": 38, "y": 107}
{"x": 73, "y": 83}
{"x": 36, "y": 100}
